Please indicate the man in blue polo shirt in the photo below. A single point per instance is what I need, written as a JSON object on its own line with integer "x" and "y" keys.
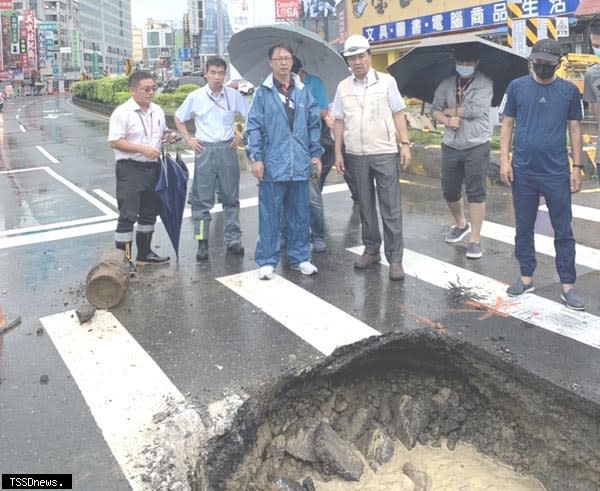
{"x": 543, "y": 108}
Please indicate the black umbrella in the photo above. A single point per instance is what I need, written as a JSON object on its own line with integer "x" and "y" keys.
{"x": 419, "y": 72}
{"x": 172, "y": 189}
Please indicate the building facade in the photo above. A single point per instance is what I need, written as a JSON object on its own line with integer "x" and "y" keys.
{"x": 394, "y": 27}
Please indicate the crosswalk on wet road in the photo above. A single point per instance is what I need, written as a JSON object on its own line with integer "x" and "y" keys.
{"x": 197, "y": 334}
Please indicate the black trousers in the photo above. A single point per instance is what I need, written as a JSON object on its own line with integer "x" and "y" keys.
{"x": 136, "y": 197}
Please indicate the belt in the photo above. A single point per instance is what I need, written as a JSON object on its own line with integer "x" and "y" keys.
{"x": 225, "y": 142}
{"x": 138, "y": 162}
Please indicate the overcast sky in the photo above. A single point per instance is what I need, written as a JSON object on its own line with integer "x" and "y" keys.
{"x": 157, "y": 10}
{"x": 175, "y": 9}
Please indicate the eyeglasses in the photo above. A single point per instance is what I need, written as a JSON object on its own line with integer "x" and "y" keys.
{"x": 282, "y": 59}
{"x": 148, "y": 90}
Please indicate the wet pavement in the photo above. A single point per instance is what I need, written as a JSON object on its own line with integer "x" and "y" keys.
{"x": 210, "y": 332}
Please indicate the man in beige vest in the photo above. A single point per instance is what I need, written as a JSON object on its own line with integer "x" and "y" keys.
{"x": 369, "y": 122}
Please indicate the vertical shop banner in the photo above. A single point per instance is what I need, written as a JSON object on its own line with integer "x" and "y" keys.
{"x": 41, "y": 49}
{"x": 14, "y": 35}
{"x": 287, "y": 9}
{"x": 75, "y": 49}
{"x": 209, "y": 42}
{"x": 238, "y": 14}
{"x": 29, "y": 22}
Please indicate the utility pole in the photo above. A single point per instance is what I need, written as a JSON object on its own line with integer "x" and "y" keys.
{"x": 103, "y": 48}
{"x": 220, "y": 33}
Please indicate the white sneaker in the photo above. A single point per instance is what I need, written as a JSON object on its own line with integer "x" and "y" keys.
{"x": 266, "y": 272}
{"x": 306, "y": 268}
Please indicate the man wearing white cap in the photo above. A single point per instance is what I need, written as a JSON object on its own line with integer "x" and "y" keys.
{"x": 369, "y": 122}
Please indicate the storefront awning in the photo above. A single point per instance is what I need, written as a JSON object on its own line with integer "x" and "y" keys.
{"x": 588, "y": 8}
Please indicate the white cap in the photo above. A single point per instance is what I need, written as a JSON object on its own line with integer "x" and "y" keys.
{"x": 355, "y": 45}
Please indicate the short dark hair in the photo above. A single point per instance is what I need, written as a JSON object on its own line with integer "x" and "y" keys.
{"x": 467, "y": 52}
{"x": 216, "y": 61}
{"x": 285, "y": 46}
{"x": 136, "y": 77}
{"x": 595, "y": 27}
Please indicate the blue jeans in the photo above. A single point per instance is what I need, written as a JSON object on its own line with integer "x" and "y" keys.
{"x": 291, "y": 198}
{"x": 317, "y": 214}
{"x": 526, "y": 192}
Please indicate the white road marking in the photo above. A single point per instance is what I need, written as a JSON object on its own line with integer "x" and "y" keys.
{"x": 43, "y": 151}
{"x": 106, "y": 197}
{"x": 48, "y": 229}
{"x": 135, "y": 405}
{"x": 584, "y": 255}
{"x": 76, "y": 189}
{"x": 55, "y": 226}
{"x": 317, "y": 322}
{"x": 29, "y": 169}
{"x": 59, "y": 234}
{"x": 583, "y": 212}
{"x": 22, "y": 128}
{"x": 538, "y": 311}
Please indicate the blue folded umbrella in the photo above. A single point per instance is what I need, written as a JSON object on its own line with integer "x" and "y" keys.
{"x": 172, "y": 189}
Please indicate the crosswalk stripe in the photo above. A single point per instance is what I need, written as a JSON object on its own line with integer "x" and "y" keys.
{"x": 582, "y": 212}
{"x": 317, "y": 322}
{"x": 538, "y": 311}
{"x": 125, "y": 390}
{"x": 584, "y": 255}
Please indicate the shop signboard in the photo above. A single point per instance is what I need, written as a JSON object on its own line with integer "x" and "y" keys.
{"x": 382, "y": 22}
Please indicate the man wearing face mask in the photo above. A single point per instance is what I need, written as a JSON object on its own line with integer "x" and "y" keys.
{"x": 538, "y": 109}
{"x": 591, "y": 83}
{"x": 462, "y": 104}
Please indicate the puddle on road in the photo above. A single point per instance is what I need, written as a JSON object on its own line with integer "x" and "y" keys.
{"x": 461, "y": 469}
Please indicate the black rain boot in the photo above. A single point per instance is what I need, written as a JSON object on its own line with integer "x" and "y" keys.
{"x": 144, "y": 253}
{"x": 202, "y": 254}
{"x": 126, "y": 248}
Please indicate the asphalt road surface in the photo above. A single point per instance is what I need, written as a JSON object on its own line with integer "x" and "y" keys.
{"x": 79, "y": 399}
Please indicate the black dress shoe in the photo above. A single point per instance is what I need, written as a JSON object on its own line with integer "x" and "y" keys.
{"x": 202, "y": 254}
{"x": 153, "y": 258}
{"x": 235, "y": 248}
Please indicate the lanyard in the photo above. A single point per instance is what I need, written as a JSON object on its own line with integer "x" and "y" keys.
{"x": 461, "y": 89}
{"x": 217, "y": 102}
{"x": 144, "y": 126}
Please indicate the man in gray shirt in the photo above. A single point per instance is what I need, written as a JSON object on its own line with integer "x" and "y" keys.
{"x": 591, "y": 83}
{"x": 462, "y": 104}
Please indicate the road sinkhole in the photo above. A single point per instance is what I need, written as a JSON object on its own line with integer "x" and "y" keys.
{"x": 407, "y": 411}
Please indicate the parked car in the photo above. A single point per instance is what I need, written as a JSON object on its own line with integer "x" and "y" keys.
{"x": 172, "y": 84}
{"x": 242, "y": 85}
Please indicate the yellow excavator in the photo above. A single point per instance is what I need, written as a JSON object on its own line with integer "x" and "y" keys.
{"x": 574, "y": 66}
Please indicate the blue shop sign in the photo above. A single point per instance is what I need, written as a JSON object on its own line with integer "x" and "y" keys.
{"x": 475, "y": 17}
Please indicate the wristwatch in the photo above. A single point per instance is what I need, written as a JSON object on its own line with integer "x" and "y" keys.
{"x": 404, "y": 143}
{"x": 578, "y": 166}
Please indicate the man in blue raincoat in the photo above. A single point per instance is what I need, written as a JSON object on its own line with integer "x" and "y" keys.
{"x": 283, "y": 129}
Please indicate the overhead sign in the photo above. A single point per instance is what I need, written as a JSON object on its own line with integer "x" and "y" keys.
{"x": 460, "y": 19}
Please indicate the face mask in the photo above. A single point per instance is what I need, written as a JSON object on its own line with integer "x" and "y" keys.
{"x": 544, "y": 72}
{"x": 597, "y": 52}
{"x": 465, "y": 71}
